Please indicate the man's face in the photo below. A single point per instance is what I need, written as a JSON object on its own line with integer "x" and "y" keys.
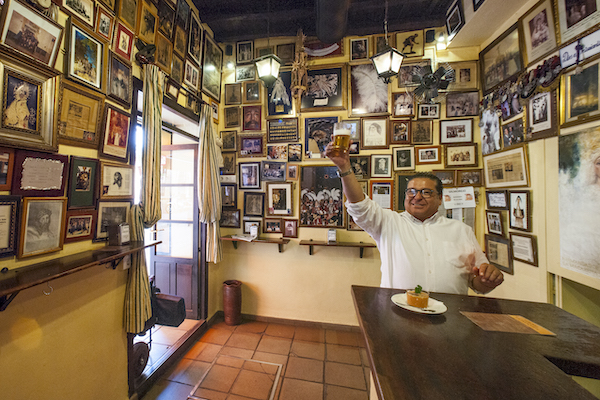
{"x": 419, "y": 207}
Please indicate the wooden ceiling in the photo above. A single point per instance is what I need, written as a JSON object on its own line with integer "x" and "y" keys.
{"x": 234, "y": 20}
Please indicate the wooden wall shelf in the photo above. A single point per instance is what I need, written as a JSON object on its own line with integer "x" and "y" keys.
{"x": 312, "y": 243}
{"x": 12, "y": 281}
{"x": 279, "y": 241}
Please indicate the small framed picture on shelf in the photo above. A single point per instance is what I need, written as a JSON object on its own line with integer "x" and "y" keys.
{"x": 249, "y": 223}
{"x": 290, "y": 228}
{"x": 230, "y": 218}
{"x": 80, "y": 225}
{"x": 495, "y": 222}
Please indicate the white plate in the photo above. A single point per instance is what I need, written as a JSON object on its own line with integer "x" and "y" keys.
{"x": 433, "y": 307}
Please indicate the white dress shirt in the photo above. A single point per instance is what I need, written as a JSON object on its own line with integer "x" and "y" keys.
{"x": 437, "y": 254}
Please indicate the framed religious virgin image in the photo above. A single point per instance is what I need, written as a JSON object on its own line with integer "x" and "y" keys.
{"x": 164, "y": 53}
{"x": 254, "y": 204}
{"x": 318, "y": 132}
{"x": 229, "y": 139}
{"x": 191, "y": 76}
{"x": 123, "y": 43}
{"x": 249, "y": 175}
{"x": 42, "y": 225}
{"x": 381, "y": 166}
{"x": 115, "y": 133}
{"x": 279, "y": 199}
{"x": 537, "y": 27}
{"x": 166, "y": 18}
{"x": 195, "y": 40}
{"x": 401, "y": 183}
{"x": 499, "y": 253}
{"x": 127, "y": 12}
{"x": 411, "y": 44}
{"x": 501, "y": 60}
{"x": 542, "y": 116}
{"x": 39, "y": 174}
{"x": 462, "y": 104}
{"x": 461, "y": 155}
{"x": 456, "y": 131}
{"x": 110, "y": 213}
{"x": 428, "y": 111}
{"x": 46, "y": 33}
{"x": 10, "y": 207}
{"x": 279, "y": 96}
{"x": 82, "y": 9}
{"x": 361, "y": 165}
{"x": 382, "y": 192}
{"x": 212, "y": 63}
{"x": 233, "y": 93}
{"x": 252, "y": 145}
{"x": 105, "y": 22}
{"x": 229, "y": 195}
{"x": 368, "y": 93}
{"x": 116, "y": 181}
{"x": 120, "y": 81}
{"x": 7, "y": 162}
{"x": 496, "y": 199}
{"x": 403, "y": 104}
{"x": 245, "y": 73}
{"x": 273, "y": 171}
{"x": 447, "y": 176}
{"x": 404, "y": 158}
{"x": 80, "y": 112}
{"x": 469, "y": 177}
{"x": 321, "y": 182}
{"x": 466, "y": 75}
{"x": 83, "y": 179}
{"x": 506, "y": 168}
{"x": 272, "y": 225}
{"x": 520, "y": 210}
{"x": 359, "y": 49}
{"x": 251, "y": 94}
{"x": 495, "y": 222}
{"x": 252, "y": 118}
{"x": 576, "y": 17}
{"x": 244, "y": 52}
{"x": 524, "y": 248}
{"x": 232, "y": 117}
{"x": 229, "y": 164}
{"x": 148, "y": 24}
{"x": 80, "y": 225}
{"x": 230, "y": 218}
{"x": 455, "y": 19}
{"x": 429, "y": 155}
{"x": 374, "y": 133}
{"x": 86, "y": 55}
{"x": 325, "y": 89}
{"x": 290, "y": 228}
{"x": 422, "y": 132}
{"x": 294, "y": 152}
{"x": 575, "y": 86}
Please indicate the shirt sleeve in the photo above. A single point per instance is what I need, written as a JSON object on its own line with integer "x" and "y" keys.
{"x": 369, "y": 216}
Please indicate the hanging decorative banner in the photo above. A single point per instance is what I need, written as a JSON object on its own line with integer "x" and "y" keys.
{"x": 587, "y": 46}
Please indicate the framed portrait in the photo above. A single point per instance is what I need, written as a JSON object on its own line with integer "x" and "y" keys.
{"x": 191, "y": 76}
{"x": 42, "y": 225}
{"x": 232, "y": 117}
{"x": 249, "y": 175}
{"x": 183, "y": 14}
{"x": 244, "y": 52}
{"x": 462, "y": 104}
{"x": 499, "y": 252}
{"x": 148, "y": 23}
{"x": 111, "y": 213}
{"x": 456, "y": 131}
{"x": 277, "y": 152}
{"x": 461, "y": 155}
{"x": 164, "y": 53}
{"x": 381, "y": 165}
{"x": 469, "y": 177}
{"x": 279, "y": 199}
{"x": 317, "y": 182}
{"x": 22, "y": 102}
{"x": 252, "y": 118}
{"x": 82, "y": 9}
{"x": 374, "y": 133}
{"x": 286, "y": 52}
{"x": 166, "y": 18}
{"x": 229, "y": 139}
{"x": 252, "y": 145}
{"x": 409, "y": 69}
{"x": 195, "y": 39}
{"x": 318, "y": 132}
{"x": 229, "y": 195}
{"x": 448, "y": 177}
{"x": 380, "y": 43}
{"x": 83, "y": 180}
{"x": 7, "y": 162}
{"x": 116, "y": 181}
{"x": 542, "y": 116}
{"x": 495, "y": 223}
{"x": 115, "y": 133}
{"x": 368, "y": 94}
{"x": 263, "y": 51}
{"x": 254, "y": 204}
{"x": 290, "y": 228}
{"x": 249, "y": 223}
{"x": 422, "y": 132}
{"x": 229, "y": 164}
{"x": 230, "y": 218}
{"x": 524, "y": 248}
{"x": 325, "y": 89}
{"x": 411, "y": 44}
{"x": 359, "y": 49}
{"x": 404, "y": 158}
{"x": 176, "y": 69}
{"x": 127, "y": 13}
{"x": 428, "y": 111}
{"x": 401, "y": 183}
{"x": 123, "y": 41}
{"x": 361, "y": 165}
{"x": 272, "y": 225}
{"x": 85, "y": 60}
{"x": 120, "y": 81}
{"x": 252, "y": 92}
{"x": 245, "y": 73}
{"x": 233, "y": 94}
{"x": 80, "y": 225}
{"x": 507, "y": 168}
{"x": 180, "y": 41}
{"x": 403, "y": 104}
{"x": 273, "y": 171}
{"x": 212, "y": 63}
{"x": 282, "y": 103}
{"x": 575, "y": 86}
{"x": 520, "y": 210}
{"x": 496, "y": 199}
{"x": 501, "y": 60}
{"x": 400, "y": 131}
{"x": 80, "y": 112}
{"x": 172, "y": 89}
{"x": 537, "y": 27}
{"x": 39, "y": 174}
{"x": 382, "y": 192}
{"x": 512, "y": 133}
{"x": 576, "y": 17}
{"x": 466, "y": 75}
{"x": 429, "y": 155}
{"x": 10, "y": 207}
{"x": 105, "y": 22}
{"x": 455, "y": 19}
{"x": 294, "y": 152}
{"x": 490, "y": 132}
{"x": 292, "y": 172}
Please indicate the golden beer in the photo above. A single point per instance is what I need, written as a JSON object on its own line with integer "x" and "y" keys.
{"x": 341, "y": 142}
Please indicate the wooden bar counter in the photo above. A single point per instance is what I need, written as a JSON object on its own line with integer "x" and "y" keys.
{"x": 447, "y": 356}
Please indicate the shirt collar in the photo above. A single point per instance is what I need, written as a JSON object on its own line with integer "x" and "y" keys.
{"x": 429, "y": 220}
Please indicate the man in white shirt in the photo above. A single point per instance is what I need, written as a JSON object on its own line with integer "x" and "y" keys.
{"x": 419, "y": 246}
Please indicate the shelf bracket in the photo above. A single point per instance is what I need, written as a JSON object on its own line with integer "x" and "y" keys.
{"x": 310, "y": 249}
{"x": 115, "y": 263}
{"x": 362, "y": 251}
{"x": 234, "y": 244}
{"x": 5, "y": 300}
{"x": 280, "y": 245}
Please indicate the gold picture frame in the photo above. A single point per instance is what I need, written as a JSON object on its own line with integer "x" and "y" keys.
{"x": 42, "y": 225}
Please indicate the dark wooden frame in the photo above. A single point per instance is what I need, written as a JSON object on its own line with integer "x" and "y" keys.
{"x": 363, "y": 136}
{"x": 468, "y": 124}
{"x": 499, "y": 232}
{"x": 24, "y": 226}
{"x": 241, "y": 181}
{"x": 267, "y": 220}
{"x": 211, "y": 69}
{"x": 12, "y": 224}
{"x": 527, "y": 209}
{"x": 10, "y": 162}
{"x": 453, "y": 164}
{"x": 338, "y": 100}
{"x": 249, "y": 213}
{"x": 78, "y": 213}
{"x": 460, "y": 172}
{"x": 487, "y": 88}
{"x": 534, "y": 248}
{"x": 231, "y": 186}
{"x": 506, "y": 242}
{"x": 112, "y": 60}
{"x": 103, "y": 192}
{"x": 295, "y": 223}
{"x": 101, "y": 53}
{"x": 237, "y": 216}
{"x": 107, "y": 129}
{"x": 504, "y": 193}
{"x": 419, "y": 161}
{"x": 21, "y": 156}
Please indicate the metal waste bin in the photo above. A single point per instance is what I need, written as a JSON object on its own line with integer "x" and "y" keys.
{"x": 232, "y": 302}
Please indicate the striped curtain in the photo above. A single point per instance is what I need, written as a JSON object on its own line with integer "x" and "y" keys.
{"x": 209, "y": 185}
{"x": 144, "y": 215}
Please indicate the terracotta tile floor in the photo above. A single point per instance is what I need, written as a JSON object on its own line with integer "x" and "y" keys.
{"x": 246, "y": 361}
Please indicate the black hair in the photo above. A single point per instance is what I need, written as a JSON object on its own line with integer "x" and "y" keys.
{"x": 427, "y": 175}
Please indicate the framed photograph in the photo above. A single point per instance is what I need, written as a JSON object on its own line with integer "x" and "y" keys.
{"x": 166, "y": 18}
{"x": 273, "y": 171}
{"x": 195, "y": 40}
{"x": 374, "y": 133}
{"x": 183, "y": 14}
{"x": 368, "y": 94}
{"x": 361, "y": 165}
{"x": 279, "y": 96}
{"x": 469, "y": 177}
{"x": 318, "y": 132}
{"x": 520, "y": 210}
{"x": 429, "y": 155}
{"x": 512, "y": 133}
{"x": 230, "y": 218}
{"x": 456, "y": 131}
{"x": 80, "y": 112}
{"x": 233, "y": 93}
{"x": 462, "y": 104}
{"x": 250, "y": 223}
{"x": 477, "y": 4}
{"x": 510, "y": 107}
{"x": 359, "y": 49}
{"x": 319, "y": 182}
{"x": 80, "y": 225}
{"x": 355, "y": 134}
{"x": 7, "y": 162}
{"x": 229, "y": 164}
{"x": 245, "y": 73}
{"x": 180, "y": 42}
{"x": 252, "y": 145}
{"x": 263, "y": 51}
{"x": 455, "y": 19}
{"x": 286, "y": 52}
{"x": 507, "y": 168}
{"x": 277, "y": 152}
{"x": 428, "y": 111}
{"x": 494, "y": 222}
{"x": 127, "y": 13}
{"x": 115, "y": 133}
{"x": 576, "y": 86}
{"x": 422, "y": 132}
{"x": 172, "y": 89}
{"x": 244, "y": 52}
{"x": 400, "y": 131}
{"x": 254, "y": 204}
{"x": 576, "y": 16}
{"x": 325, "y": 89}
{"x": 232, "y": 117}
{"x": 147, "y": 22}
{"x": 229, "y": 195}
{"x": 294, "y": 152}
{"x": 404, "y": 158}
{"x": 403, "y": 104}
{"x": 381, "y": 165}
{"x": 82, "y": 9}
{"x": 401, "y": 183}
{"x": 380, "y": 44}
{"x": 490, "y": 132}
{"x": 461, "y": 155}
{"x": 111, "y": 213}
{"x": 292, "y": 172}
{"x": 537, "y": 27}
{"x": 85, "y": 60}
{"x": 409, "y": 69}
{"x": 496, "y": 199}
{"x": 252, "y": 92}
{"x": 83, "y": 179}
{"x": 382, "y": 192}
{"x": 39, "y": 174}
{"x": 212, "y": 63}
{"x": 249, "y": 175}
{"x": 466, "y": 75}
{"x": 42, "y": 226}
{"x": 105, "y": 22}
{"x": 499, "y": 252}
{"x": 448, "y": 177}
{"x": 252, "y": 118}
{"x": 290, "y": 228}
{"x": 411, "y": 44}
{"x": 501, "y": 60}
{"x": 20, "y": 21}
{"x": 279, "y": 199}
{"x": 164, "y": 53}
{"x": 120, "y": 81}
{"x": 542, "y": 116}
{"x": 229, "y": 139}
{"x": 123, "y": 41}
{"x": 116, "y": 181}
{"x": 524, "y": 248}
{"x": 191, "y": 76}
{"x": 272, "y": 225}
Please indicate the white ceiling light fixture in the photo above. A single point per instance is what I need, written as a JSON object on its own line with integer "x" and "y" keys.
{"x": 387, "y": 63}
{"x": 268, "y": 65}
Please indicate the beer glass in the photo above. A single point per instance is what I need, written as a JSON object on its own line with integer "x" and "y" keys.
{"x": 341, "y": 138}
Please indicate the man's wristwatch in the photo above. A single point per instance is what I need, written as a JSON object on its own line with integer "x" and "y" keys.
{"x": 343, "y": 174}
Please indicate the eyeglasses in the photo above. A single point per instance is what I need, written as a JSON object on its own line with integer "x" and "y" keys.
{"x": 426, "y": 193}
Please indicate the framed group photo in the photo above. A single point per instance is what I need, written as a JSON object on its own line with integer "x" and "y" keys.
{"x": 501, "y": 60}
{"x": 456, "y": 131}
{"x": 495, "y": 222}
{"x": 318, "y": 182}
{"x": 7, "y": 162}
{"x": 469, "y": 177}
{"x": 80, "y": 225}
{"x": 462, "y": 104}
{"x": 461, "y": 155}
